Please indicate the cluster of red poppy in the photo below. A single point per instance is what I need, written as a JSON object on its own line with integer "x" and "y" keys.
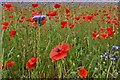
{"x": 110, "y": 21}
{"x": 64, "y": 24}
{"x": 52, "y": 13}
{"x": 30, "y": 64}
{"x": 5, "y": 25}
{"x": 57, "y": 53}
{"x": 60, "y": 51}
{"x": 104, "y": 33}
{"x": 8, "y": 6}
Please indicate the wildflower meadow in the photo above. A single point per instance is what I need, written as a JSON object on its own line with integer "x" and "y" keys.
{"x": 60, "y": 40}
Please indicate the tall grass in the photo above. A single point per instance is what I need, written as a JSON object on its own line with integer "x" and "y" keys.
{"x": 37, "y": 42}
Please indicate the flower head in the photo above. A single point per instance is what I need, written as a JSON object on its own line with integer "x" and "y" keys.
{"x": 113, "y": 58}
{"x": 57, "y": 5}
{"x": 4, "y": 27}
{"x": 35, "y": 5}
{"x": 10, "y": 63}
{"x": 52, "y": 13}
{"x": 5, "y": 23}
{"x": 8, "y": 5}
{"x": 115, "y": 47}
{"x": 67, "y": 10}
{"x": 30, "y": 64}
{"x": 59, "y": 52}
{"x": 12, "y": 33}
{"x": 95, "y": 34}
{"x": 105, "y": 55}
{"x": 82, "y": 73}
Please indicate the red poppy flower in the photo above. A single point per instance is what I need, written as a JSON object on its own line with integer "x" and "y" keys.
{"x": 110, "y": 28}
{"x": 5, "y": 23}
{"x": 62, "y": 26}
{"x": 64, "y": 23}
{"x": 108, "y": 21}
{"x": 95, "y": 14}
{"x": 67, "y": 10}
{"x": 68, "y": 14}
{"x": 110, "y": 31}
{"x": 43, "y": 22}
{"x": 85, "y": 18}
{"x": 11, "y": 22}
{"x": 73, "y": 44}
{"x": 10, "y": 63}
{"x": 4, "y": 27}
{"x": 40, "y": 11}
{"x": 103, "y": 35}
{"x": 31, "y": 62}
{"x": 77, "y": 17}
{"x": 8, "y": 5}
{"x": 103, "y": 20}
{"x": 52, "y": 13}
{"x": 30, "y": 20}
{"x": 21, "y": 20}
{"x": 71, "y": 25}
{"x": 59, "y": 52}
{"x": 57, "y": 5}
{"x": 27, "y": 19}
{"x": 5, "y": 9}
{"x": 105, "y": 14}
{"x": 22, "y": 17}
{"x": 28, "y": 25}
{"x": 102, "y": 29}
{"x": 104, "y": 11}
{"x": 108, "y": 16}
{"x": 90, "y": 17}
{"x": 11, "y": 16}
{"x": 95, "y": 34}
{"x": 115, "y": 23}
{"x": 34, "y": 14}
{"x": 12, "y": 33}
{"x": 82, "y": 73}
{"x": 35, "y": 5}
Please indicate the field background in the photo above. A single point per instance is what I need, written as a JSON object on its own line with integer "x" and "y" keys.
{"x": 39, "y": 42}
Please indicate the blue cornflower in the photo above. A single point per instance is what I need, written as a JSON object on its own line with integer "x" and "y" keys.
{"x": 105, "y": 55}
{"x": 113, "y": 58}
{"x": 115, "y": 48}
{"x": 39, "y": 18}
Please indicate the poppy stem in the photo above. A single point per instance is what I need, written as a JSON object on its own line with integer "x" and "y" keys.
{"x": 59, "y": 65}
{"x": 2, "y": 51}
{"x": 38, "y": 47}
{"x": 23, "y": 63}
{"x": 108, "y": 70}
{"x": 29, "y": 73}
{"x": 35, "y": 42}
{"x": 67, "y": 38}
